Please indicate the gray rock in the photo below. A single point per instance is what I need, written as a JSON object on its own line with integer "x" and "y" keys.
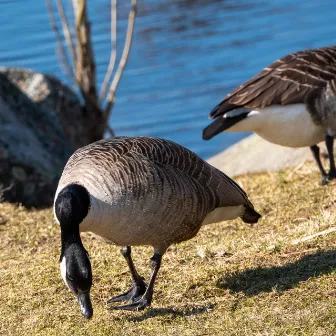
{"x": 34, "y": 144}
{"x": 56, "y": 100}
{"x": 254, "y": 154}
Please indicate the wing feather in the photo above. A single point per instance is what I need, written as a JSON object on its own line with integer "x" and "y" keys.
{"x": 123, "y": 155}
{"x": 289, "y": 80}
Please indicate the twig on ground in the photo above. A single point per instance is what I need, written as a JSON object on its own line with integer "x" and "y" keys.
{"x": 304, "y": 239}
{"x": 321, "y": 233}
{"x": 295, "y": 169}
{"x": 299, "y": 252}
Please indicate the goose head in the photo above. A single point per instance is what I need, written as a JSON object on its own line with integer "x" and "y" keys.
{"x": 71, "y": 207}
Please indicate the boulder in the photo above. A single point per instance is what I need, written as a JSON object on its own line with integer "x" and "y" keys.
{"x": 254, "y": 154}
{"x": 41, "y": 124}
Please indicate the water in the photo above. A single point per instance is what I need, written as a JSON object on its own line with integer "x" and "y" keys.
{"x": 186, "y": 55}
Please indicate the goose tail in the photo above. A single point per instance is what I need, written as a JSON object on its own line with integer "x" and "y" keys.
{"x": 221, "y": 124}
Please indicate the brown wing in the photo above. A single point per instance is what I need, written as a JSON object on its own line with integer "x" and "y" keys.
{"x": 170, "y": 154}
{"x": 289, "y": 80}
{"x": 138, "y": 151}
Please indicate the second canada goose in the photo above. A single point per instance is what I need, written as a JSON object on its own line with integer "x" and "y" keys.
{"x": 138, "y": 191}
{"x": 292, "y": 102}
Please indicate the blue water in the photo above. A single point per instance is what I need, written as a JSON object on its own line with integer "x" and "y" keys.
{"x": 186, "y": 55}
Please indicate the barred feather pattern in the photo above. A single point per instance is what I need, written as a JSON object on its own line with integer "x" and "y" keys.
{"x": 306, "y": 76}
{"x": 148, "y": 191}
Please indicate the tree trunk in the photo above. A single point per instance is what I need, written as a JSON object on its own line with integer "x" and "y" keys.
{"x": 86, "y": 72}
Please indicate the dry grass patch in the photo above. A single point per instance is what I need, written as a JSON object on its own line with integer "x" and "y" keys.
{"x": 232, "y": 279}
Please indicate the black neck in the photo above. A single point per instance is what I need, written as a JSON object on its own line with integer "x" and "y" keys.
{"x": 68, "y": 238}
{"x": 71, "y": 207}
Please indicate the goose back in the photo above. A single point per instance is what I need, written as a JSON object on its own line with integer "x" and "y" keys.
{"x": 301, "y": 77}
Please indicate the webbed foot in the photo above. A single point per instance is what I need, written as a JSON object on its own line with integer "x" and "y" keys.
{"x": 133, "y": 294}
{"x": 141, "y": 304}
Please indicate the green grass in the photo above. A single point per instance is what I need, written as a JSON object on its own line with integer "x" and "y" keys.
{"x": 231, "y": 279}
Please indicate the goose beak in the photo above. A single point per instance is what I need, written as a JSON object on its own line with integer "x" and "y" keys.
{"x": 85, "y": 304}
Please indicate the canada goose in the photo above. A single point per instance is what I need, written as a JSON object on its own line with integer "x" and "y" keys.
{"x": 291, "y": 102}
{"x": 138, "y": 191}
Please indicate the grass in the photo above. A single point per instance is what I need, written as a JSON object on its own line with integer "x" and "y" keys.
{"x": 232, "y": 279}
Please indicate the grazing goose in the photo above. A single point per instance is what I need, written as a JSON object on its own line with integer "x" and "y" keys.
{"x": 291, "y": 102}
{"x": 138, "y": 191}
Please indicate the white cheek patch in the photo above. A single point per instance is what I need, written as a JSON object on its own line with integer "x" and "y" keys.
{"x": 56, "y": 217}
{"x": 55, "y": 209}
{"x": 63, "y": 271}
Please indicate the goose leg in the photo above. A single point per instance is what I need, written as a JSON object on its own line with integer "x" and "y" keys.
{"x": 146, "y": 299}
{"x": 330, "y": 147}
{"x": 316, "y": 154}
{"x": 138, "y": 287}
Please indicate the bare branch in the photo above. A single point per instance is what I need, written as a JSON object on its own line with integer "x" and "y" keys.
{"x": 113, "y": 57}
{"x": 2, "y": 191}
{"x": 110, "y": 130}
{"x": 65, "y": 69}
{"x": 123, "y": 60}
{"x": 85, "y": 66}
{"x": 59, "y": 40}
{"x": 66, "y": 31}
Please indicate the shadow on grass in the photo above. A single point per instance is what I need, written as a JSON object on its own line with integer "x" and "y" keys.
{"x": 280, "y": 278}
{"x": 187, "y": 311}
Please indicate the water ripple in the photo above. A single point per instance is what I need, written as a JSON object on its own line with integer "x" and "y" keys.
{"x": 187, "y": 54}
